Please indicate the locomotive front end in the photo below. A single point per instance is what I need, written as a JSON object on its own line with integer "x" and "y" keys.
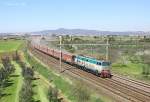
{"x": 105, "y": 72}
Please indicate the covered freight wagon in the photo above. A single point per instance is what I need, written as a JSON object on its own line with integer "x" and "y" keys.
{"x": 68, "y": 57}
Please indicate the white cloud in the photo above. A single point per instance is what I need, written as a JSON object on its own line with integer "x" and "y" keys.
{"x": 15, "y": 4}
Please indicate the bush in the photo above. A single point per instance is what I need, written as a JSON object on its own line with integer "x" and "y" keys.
{"x": 5, "y": 72}
{"x": 8, "y": 67}
{"x": 146, "y": 70}
{"x": 16, "y": 56}
{"x": 81, "y": 92}
{"x": 26, "y": 92}
{"x": 27, "y": 73}
{"x": 53, "y": 95}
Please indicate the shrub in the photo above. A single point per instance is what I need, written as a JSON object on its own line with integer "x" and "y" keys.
{"x": 53, "y": 95}
{"x": 81, "y": 92}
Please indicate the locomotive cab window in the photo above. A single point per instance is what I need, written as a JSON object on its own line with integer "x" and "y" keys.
{"x": 98, "y": 63}
{"x": 106, "y": 64}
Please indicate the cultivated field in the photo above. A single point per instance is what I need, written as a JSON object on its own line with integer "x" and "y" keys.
{"x": 11, "y": 91}
{"x": 10, "y": 45}
{"x": 44, "y": 78}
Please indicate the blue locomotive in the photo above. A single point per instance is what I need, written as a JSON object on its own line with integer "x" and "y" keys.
{"x": 98, "y": 67}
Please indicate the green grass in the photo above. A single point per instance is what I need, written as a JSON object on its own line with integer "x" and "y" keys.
{"x": 58, "y": 81}
{"x": 132, "y": 67}
{"x": 12, "y": 91}
{"x": 10, "y": 45}
{"x": 1, "y": 65}
{"x": 129, "y": 69}
{"x": 40, "y": 90}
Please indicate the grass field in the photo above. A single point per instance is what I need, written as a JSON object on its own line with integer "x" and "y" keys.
{"x": 1, "y": 65}
{"x": 40, "y": 90}
{"x": 59, "y": 82}
{"x": 12, "y": 91}
{"x": 40, "y": 85}
{"x": 129, "y": 69}
{"x": 10, "y": 45}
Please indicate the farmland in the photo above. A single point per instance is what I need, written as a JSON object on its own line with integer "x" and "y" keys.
{"x": 126, "y": 61}
{"x": 12, "y": 91}
{"x": 10, "y": 45}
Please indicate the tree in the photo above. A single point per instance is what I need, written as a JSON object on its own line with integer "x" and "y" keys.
{"x": 146, "y": 60}
{"x": 95, "y": 37}
{"x": 5, "y": 72}
{"x": 16, "y": 56}
{"x": 26, "y": 93}
{"x": 27, "y": 73}
{"x": 111, "y": 39}
{"x": 78, "y": 40}
{"x": 53, "y": 95}
{"x": 81, "y": 92}
{"x": 98, "y": 100}
{"x": 8, "y": 67}
{"x": 50, "y": 94}
{"x": 1, "y": 81}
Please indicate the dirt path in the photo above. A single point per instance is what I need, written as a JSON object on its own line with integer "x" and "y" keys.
{"x": 20, "y": 81}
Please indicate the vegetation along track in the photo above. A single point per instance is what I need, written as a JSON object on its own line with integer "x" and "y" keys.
{"x": 124, "y": 90}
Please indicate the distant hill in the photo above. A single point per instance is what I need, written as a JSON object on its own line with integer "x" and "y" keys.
{"x": 63, "y": 31}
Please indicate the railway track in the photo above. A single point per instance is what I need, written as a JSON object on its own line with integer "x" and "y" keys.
{"x": 78, "y": 75}
{"x": 129, "y": 92}
{"x": 137, "y": 82}
{"x": 132, "y": 87}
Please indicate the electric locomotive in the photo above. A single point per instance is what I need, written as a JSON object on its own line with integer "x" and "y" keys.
{"x": 99, "y": 67}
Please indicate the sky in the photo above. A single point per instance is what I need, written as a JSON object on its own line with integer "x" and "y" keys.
{"x": 103, "y": 15}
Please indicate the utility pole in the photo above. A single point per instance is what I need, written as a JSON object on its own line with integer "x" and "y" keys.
{"x": 71, "y": 40}
{"x": 107, "y": 48}
{"x": 60, "y": 57}
{"x": 91, "y": 51}
{"x": 70, "y": 37}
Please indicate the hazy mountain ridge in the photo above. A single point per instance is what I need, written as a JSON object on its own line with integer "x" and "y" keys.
{"x": 63, "y": 31}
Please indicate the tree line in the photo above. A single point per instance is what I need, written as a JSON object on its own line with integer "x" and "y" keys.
{"x": 26, "y": 93}
{"x": 5, "y": 72}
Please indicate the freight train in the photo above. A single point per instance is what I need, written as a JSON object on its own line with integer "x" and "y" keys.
{"x": 98, "y": 67}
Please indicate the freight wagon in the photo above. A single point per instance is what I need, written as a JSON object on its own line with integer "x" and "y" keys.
{"x": 99, "y": 67}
